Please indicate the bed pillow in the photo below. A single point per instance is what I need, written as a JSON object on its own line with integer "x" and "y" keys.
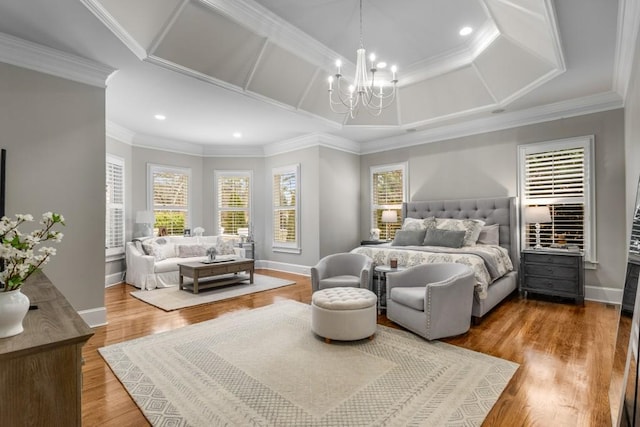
{"x": 471, "y": 227}
{"x": 408, "y": 238}
{"x": 419, "y": 223}
{"x": 447, "y": 238}
{"x": 489, "y": 235}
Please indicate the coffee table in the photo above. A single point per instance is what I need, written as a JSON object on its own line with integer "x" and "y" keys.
{"x": 198, "y": 270}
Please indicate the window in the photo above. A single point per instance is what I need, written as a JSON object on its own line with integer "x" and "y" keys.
{"x": 560, "y": 175}
{"x": 169, "y": 197}
{"x": 233, "y": 200}
{"x": 114, "y": 227}
{"x": 388, "y": 192}
{"x": 286, "y": 209}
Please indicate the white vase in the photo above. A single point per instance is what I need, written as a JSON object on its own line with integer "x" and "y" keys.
{"x": 13, "y": 308}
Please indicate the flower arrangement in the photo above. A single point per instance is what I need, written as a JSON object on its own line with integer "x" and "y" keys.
{"x": 211, "y": 253}
{"x": 17, "y": 248}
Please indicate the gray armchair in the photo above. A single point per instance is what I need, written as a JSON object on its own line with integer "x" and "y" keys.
{"x": 343, "y": 269}
{"x": 431, "y": 300}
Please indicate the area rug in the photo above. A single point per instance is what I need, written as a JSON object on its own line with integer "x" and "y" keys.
{"x": 266, "y": 367}
{"x": 173, "y": 298}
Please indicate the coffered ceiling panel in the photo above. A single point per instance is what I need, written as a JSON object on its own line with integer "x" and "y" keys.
{"x": 444, "y": 95}
{"x": 509, "y": 70}
{"x": 316, "y": 100}
{"x": 206, "y": 42}
{"x": 142, "y": 19}
{"x": 528, "y": 27}
{"x": 286, "y": 84}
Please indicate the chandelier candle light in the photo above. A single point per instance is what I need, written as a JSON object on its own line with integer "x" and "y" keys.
{"x": 365, "y": 91}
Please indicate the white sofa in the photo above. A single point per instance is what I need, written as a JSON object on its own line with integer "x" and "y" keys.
{"x": 153, "y": 262}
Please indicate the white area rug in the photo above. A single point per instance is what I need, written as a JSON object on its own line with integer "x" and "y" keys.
{"x": 266, "y": 367}
{"x": 173, "y": 298}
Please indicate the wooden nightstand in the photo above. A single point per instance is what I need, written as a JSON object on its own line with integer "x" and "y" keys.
{"x": 552, "y": 272}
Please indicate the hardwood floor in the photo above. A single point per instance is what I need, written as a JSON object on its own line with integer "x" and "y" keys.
{"x": 564, "y": 351}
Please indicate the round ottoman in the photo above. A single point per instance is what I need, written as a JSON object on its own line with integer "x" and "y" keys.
{"x": 344, "y": 314}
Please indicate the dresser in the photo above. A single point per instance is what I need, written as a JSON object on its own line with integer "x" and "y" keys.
{"x": 552, "y": 272}
{"x": 631, "y": 283}
{"x": 41, "y": 368}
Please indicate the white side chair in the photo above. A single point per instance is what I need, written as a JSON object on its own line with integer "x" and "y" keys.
{"x": 342, "y": 270}
{"x": 431, "y": 300}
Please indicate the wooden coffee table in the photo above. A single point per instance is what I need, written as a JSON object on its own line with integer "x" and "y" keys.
{"x": 198, "y": 270}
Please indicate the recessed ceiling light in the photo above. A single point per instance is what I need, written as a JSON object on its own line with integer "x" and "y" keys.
{"x": 237, "y": 135}
{"x": 465, "y": 31}
{"x": 160, "y": 117}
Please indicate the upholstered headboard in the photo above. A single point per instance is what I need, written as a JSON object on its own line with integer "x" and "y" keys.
{"x": 495, "y": 210}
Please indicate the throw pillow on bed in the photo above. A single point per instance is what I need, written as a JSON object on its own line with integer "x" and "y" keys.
{"x": 471, "y": 227}
{"x": 447, "y": 238}
{"x": 413, "y": 224}
{"x": 489, "y": 235}
{"x": 408, "y": 238}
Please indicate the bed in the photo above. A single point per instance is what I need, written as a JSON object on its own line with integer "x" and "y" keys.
{"x": 495, "y": 279}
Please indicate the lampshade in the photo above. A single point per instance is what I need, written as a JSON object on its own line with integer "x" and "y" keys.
{"x": 537, "y": 214}
{"x": 145, "y": 217}
{"x": 389, "y": 216}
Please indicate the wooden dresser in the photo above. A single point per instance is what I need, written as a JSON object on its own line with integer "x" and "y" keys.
{"x": 41, "y": 368}
{"x": 631, "y": 283}
{"x": 551, "y": 272}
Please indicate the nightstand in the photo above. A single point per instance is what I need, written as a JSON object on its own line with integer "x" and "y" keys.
{"x": 381, "y": 284}
{"x": 552, "y": 272}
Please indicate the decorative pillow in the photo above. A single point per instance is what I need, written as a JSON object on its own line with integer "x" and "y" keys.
{"x": 224, "y": 246}
{"x": 189, "y": 251}
{"x": 418, "y": 223}
{"x": 159, "y": 248}
{"x": 471, "y": 227}
{"x": 448, "y": 238}
{"x": 489, "y": 235}
{"x": 409, "y": 238}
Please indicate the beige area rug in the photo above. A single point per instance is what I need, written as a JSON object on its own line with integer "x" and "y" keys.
{"x": 173, "y": 298}
{"x": 266, "y": 367}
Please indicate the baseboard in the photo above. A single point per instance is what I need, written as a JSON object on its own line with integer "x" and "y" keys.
{"x": 604, "y": 295}
{"x": 113, "y": 279}
{"x": 94, "y": 317}
{"x": 283, "y": 266}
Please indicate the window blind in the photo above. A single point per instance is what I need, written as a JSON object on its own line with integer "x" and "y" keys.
{"x": 170, "y": 189}
{"x": 233, "y": 200}
{"x": 114, "y": 227}
{"x": 388, "y": 190}
{"x": 285, "y": 207}
{"x": 556, "y": 179}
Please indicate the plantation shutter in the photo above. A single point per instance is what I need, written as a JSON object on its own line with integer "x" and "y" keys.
{"x": 171, "y": 199}
{"x": 557, "y": 179}
{"x": 388, "y": 193}
{"x": 114, "y": 227}
{"x": 285, "y": 207}
{"x": 233, "y": 201}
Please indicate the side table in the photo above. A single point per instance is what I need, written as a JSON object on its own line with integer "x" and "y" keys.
{"x": 381, "y": 284}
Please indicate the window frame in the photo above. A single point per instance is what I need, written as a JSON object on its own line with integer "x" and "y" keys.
{"x": 586, "y": 142}
{"x": 217, "y": 174}
{"x": 153, "y": 168}
{"x": 118, "y": 250}
{"x": 402, "y": 166}
{"x": 295, "y": 246}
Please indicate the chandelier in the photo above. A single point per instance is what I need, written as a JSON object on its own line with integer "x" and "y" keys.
{"x": 365, "y": 91}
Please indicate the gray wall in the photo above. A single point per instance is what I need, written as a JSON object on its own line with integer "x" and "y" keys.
{"x": 485, "y": 165}
{"x": 54, "y": 133}
{"x": 339, "y": 195}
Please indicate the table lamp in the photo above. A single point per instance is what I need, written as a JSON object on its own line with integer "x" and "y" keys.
{"x": 145, "y": 219}
{"x": 389, "y": 217}
{"x": 537, "y": 214}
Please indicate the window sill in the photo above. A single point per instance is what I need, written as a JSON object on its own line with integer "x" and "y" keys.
{"x": 114, "y": 257}
{"x": 286, "y": 250}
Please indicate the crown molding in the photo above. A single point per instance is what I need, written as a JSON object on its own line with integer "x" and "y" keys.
{"x": 119, "y": 133}
{"x": 112, "y": 24}
{"x": 312, "y": 140}
{"x": 571, "y": 108}
{"x": 164, "y": 144}
{"x": 33, "y": 56}
{"x": 233, "y": 151}
{"x": 627, "y": 37}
